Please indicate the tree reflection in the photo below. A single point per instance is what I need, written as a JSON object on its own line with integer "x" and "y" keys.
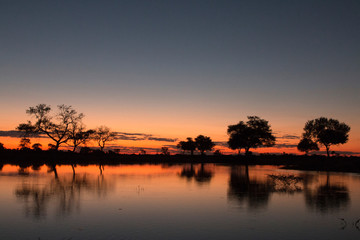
{"x": 201, "y": 175}
{"x": 251, "y": 192}
{"x": 328, "y": 197}
{"x": 63, "y": 194}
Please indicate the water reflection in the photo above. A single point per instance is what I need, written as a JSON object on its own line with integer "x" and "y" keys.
{"x": 201, "y": 174}
{"x": 328, "y": 197}
{"x": 254, "y": 193}
{"x": 65, "y": 192}
{"x": 250, "y": 192}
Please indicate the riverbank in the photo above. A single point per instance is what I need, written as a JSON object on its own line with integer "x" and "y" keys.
{"x": 299, "y": 162}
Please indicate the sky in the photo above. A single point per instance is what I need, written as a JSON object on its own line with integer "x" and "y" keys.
{"x": 177, "y": 69}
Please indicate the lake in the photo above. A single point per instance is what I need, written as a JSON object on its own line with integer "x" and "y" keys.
{"x": 200, "y": 201}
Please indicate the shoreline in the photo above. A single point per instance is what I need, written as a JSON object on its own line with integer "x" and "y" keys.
{"x": 294, "y": 162}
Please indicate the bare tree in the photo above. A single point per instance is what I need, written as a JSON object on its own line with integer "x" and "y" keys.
{"x": 102, "y": 135}
{"x": 56, "y": 126}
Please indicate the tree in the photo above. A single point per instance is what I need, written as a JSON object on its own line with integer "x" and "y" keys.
{"x": 102, "y": 135}
{"x": 256, "y": 132}
{"x": 2, "y": 147}
{"x": 24, "y": 143}
{"x": 188, "y": 145}
{"x": 326, "y": 132}
{"x": 204, "y": 143}
{"x": 37, "y": 147}
{"x": 306, "y": 145}
{"x": 56, "y": 126}
{"x": 165, "y": 151}
{"x": 78, "y": 135}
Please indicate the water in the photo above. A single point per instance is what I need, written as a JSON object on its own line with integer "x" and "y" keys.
{"x": 177, "y": 202}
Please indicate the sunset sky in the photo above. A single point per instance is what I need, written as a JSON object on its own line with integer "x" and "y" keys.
{"x": 168, "y": 70}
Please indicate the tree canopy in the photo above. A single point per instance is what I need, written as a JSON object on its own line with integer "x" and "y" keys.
{"x": 56, "y": 127}
{"x": 256, "y": 132}
{"x": 204, "y": 143}
{"x": 306, "y": 145}
{"x": 326, "y": 132}
{"x": 188, "y": 145}
{"x": 102, "y": 135}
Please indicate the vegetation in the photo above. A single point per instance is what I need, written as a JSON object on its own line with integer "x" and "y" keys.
{"x": 204, "y": 143}
{"x": 102, "y": 135}
{"x": 188, "y": 145}
{"x": 256, "y": 132}
{"x": 57, "y": 127}
{"x": 326, "y": 132}
{"x": 306, "y": 145}
{"x": 65, "y": 126}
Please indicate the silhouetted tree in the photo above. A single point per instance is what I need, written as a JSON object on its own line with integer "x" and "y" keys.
{"x": 188, "y": 145}
{"x": 55, "y": 127}
{"x": 237, "y": 133}
{"x": 306, "y": 145}
{"x": 218, "y": 152}
{"x": 85, "y": 150}
{"x": 165, "y": 151}
{"x": 204, "y": 143}
{"x": 51, "y": 147}
{"x": 24, "y": 143}
{"x": 2, "y": 147}
{"x": 80, "y": 136}
{"x": 37, "y": 147}
{"x": 256, "y": 132}
{"x": 102, "y": 135}
{"x": 326, "y": 132}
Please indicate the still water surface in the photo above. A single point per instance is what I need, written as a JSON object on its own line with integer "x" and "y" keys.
{"x": 177, "y": 202}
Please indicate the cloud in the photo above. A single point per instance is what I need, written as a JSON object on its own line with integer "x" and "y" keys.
{"x": 222, "y": 144}
{"x": 288, "y": 136}
{"x": 337, "y": 152}
{"x": 118, "y": 136}
{"x": 162, "y": 139}
{"x": 18, "y": 134}
{"x": 285, "y": 145}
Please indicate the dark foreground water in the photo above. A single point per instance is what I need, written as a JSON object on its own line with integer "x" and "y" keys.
{"x": 177, "y": 202}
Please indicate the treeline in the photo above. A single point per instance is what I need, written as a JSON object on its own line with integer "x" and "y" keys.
{"x": 65, "y": 127}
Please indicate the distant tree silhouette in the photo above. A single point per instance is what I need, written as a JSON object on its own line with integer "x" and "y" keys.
{"x": 218, "y": 152}
{"x": 306, "y": 145}
{"x": 24, "y": 143}
{"x": 326, "y": 132}
{"x": 77, "y": 133}
{"x": 51, "y": 147}
{"x": 2, "y": 147}
{"x": 102, "y": 135}
{"x": 142, "y": 152}
{"x": 79, "y": 137}
{"x": 204, "y": 143}
{"x": 165, "y": 151}
{"x": 188, "y": 145}
{"x": 56, "y": 127}
{"x": 256, "y": 132}
{"x": 37, "y": 147}
{"x": 85, "y": 150}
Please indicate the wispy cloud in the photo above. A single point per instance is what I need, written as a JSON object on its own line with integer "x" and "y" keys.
{"x": 18, "y": 134}
{"x": 288, "y": 136}
{"x": 118, "y": 136}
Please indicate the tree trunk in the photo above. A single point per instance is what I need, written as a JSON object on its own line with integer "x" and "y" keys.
{"x": 327, "y": 150}
{"x": 192, "y": 152}
{"x": 57, "y": 146}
